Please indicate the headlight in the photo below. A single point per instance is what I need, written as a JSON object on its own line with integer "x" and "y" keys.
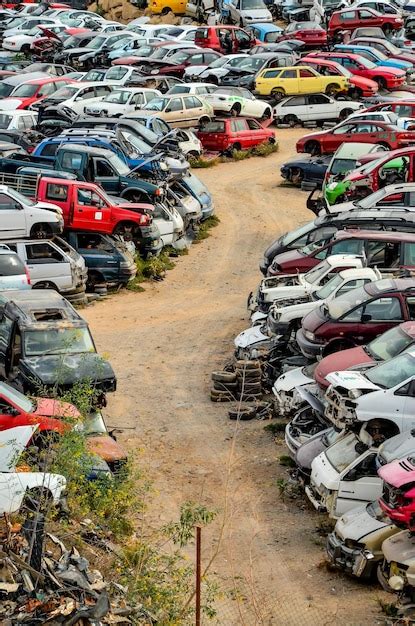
{"x": 309, "y": 335}
{"x": 163, "y": 166}
{"x": 396, "y": 583}
{"x": 354, "y": 393}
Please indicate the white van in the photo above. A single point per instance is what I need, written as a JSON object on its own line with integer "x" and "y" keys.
{"x": 52, "y": 264}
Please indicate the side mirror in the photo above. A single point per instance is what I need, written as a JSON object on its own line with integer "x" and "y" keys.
{"x": 366, "y": 318}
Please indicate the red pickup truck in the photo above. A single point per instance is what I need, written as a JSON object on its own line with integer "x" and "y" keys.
{"x": 86, "y": 206}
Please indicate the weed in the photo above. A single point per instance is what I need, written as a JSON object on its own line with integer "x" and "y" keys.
{"x": 240, "y": 155}
{"x": 265, "y": 149}
{"x": 286, "y": 461}
{"x": 276, "y": 427}
{"x": 262, "y": 150}
{"x": 325, "y": 526}
{"x": 205, "y": 227}
{"x": 203, "y": 163}
{"x": 282, "y": 485}
{"x": 389, "y": 608}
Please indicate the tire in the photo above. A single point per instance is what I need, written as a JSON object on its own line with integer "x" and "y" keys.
{"x": 247, "y": 365}
{"x": 25, "y": 49}
{"x": 127, "y": 229}
{"x": 243, "y": 414}
{"x": 192, "y": 154}
{"x": 235, "y": 110}
{"x": 166, "y": 10}
{"x": 135, "y": 196}
{"x": 231, "y": 387}
{"x": 384, "y": 145}
{"x": 213, "y": 79}
{"x": 267, "y": 114}
{"x": 45, "y": 285}
{"x": 103, "y": 114}
{"x": 41, "y": 231}
{"x": 296, "y": 175}
{"x": 291, "y": 120}
{"x": 217, "y": 396}
{"x": 380, "y": 81}
{"x": 344, "y": 113}
{"x": 95, "y": 278}
{"x": 387, "y": 29}
{"x": 204, "y": 120}
{"x": 332, "y": 89}
{"x": 313, "y": 148}
{"x": 233, "y": 148}
{"x": 355, "y": 93}
{"x": 278, "y": 93}
{"x": 250, "y": 375}
{"x": 224, "y": 377}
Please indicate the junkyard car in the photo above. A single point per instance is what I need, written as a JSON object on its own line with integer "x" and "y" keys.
{"x": 122, "y": 101}
{"x": 280, "y": 82}
{"x": 317, "y": 107}
{"x": 222, "y": 134}
{"x": 238, "y": 101}
{"x": 180, "y": 111}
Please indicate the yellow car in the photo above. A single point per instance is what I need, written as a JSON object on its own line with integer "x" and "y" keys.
{"x": 178, "y": 7}
{"x": 289, "y": 81}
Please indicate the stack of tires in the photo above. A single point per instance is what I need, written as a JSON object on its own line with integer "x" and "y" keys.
{"x": 243, "y": 382}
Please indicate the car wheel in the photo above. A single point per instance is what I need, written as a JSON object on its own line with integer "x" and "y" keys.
{"x": 166, "y": 10}
{"x": 41, "y": 231}
{"x": 332, "y": 89}
{"x": 212, "y": 79}
{"x": 387, "y": 29}
{"x": 312, "y": 147}
{"x": 291, "y": 120}
{"x": 278, "y": 93}
{"x": 383, "y": 144}
{"x": 296, "y": 175}
{"x": 381, "y": 82}
{"x": 103, "y": 113}
{"x": 203, "y": 121}
{"x": 236, "y": 110}
{"x": 355, "y": 93}
{"x": 267, "y": 114}
{"x": 344, "y": 113}
{"x": 193, "y": 154}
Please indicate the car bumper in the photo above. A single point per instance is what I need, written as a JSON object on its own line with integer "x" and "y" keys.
{"x": 315, "y": 499}
{"x": 354, "y": 561}
{"x": 310, "y": 349}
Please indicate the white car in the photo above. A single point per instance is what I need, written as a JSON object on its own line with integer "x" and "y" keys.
{"x": 17, "y": 120}
{"x": 121, "y": 101}
{"x": 22, "y": 42}
{"x": 215, "y": 70}
{"x": 388, "y": 117}
{"x": 14, "y": 485}
{"x": 194, "y": 89}
{"x": 183, "y": 32}
{"x": 189, "y": 144}
{"x": 317, "y": 107}
{"x": 78, "y": 95}
{"x": 121, "y": 74}
{"x": 18, "y": 28}
{"x": 244, "y": 12}
{"x": 20, "y": 217}
{"x": 238, "y": 101}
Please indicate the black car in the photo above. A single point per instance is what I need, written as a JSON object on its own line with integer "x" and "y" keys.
{"x": 45, "y": 345}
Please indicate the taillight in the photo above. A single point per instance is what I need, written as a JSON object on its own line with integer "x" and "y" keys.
{"x": 144, "y": 219}
{"x": 27, "y": 274}
{"x": 30, "y": 149}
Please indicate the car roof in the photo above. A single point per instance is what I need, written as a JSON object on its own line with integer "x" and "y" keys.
{"x": 49, "y": 79}
{"x": 390, "y": 284}
{"x": 391, "y": 236}
{"x": 355, "y": 149}
{"x": 266, "y": 28}
{"x": 17, "y": 79}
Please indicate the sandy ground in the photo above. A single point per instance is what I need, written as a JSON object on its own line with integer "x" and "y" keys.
{"x": 163, "y": 344}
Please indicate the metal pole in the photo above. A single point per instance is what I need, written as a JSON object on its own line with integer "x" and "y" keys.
{"x": 198, "y": 572}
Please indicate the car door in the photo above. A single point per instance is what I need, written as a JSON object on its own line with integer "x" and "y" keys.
{"x": 14, "y": 221}
{"x": 47, "y": 264}
{"x": 321, "y": 107}
{"x": 193, "y": 110}
{"x": 308, "y": 82}
{"x": 175, "y": 113}
{"x": 378, "y": 316}
{"x": 101, "y": 257}
{"x": 366, "y": 18}
{"x": 332, "y": 140}
{"x": 82, "y": 99}
{"x": 6, "y": 327}
{"x": 288, "y": 81}
{"x": 358, "y": 484}
{"x": 256, "y": 132}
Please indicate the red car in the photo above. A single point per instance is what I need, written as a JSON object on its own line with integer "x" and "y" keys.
{"x": 236, "y": 133}
{"x": 402, "y": 108}
{"x": 398, "y": 496}
{"x": 356, "y": 317}
{"x": 310, "y": 33}
{"x": 385, "y": 76}
{"x": 177, "y": 63}
{"x": 360, "y": 87}
{"x": 383, "y": 249}
{"x": 385, "y": 347}
{"x": 327, "y": 141}
{"x": 350, "y": 19}
{"x": 35, "y": 90}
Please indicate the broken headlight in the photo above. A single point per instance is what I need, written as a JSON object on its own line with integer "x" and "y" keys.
{"x": 309, "y": 335}
{"x": 354, "y": 393}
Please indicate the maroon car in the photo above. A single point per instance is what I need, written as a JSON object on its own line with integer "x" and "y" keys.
{"x": 382, "y": 249}
{"x": 357, "y": 316}
{"x": 385, "y": 347}
{"x": 176, "y": 64}
{"x": 310, "y": 33}
{"x": 236, "y": 133}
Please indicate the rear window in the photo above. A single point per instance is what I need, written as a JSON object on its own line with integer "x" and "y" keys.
{"x": 214, "y": 127}
{"x": 202, "y": 33}
{"x": 56, "y": 192}
{"x": 11, "y": 265}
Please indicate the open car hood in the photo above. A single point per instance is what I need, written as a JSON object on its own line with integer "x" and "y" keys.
{"x": 12, "y": 443}
{"x": 351, "y": 380}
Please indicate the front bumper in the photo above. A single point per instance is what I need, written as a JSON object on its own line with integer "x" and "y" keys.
{"x": 354, "y": 561}
{"x": 310, "y": 349}
{"x": 315, "y": 498}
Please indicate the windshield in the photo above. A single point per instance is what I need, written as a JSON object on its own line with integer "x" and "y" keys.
{"x": 20, "y": 198}
{"x": 392, "y": 373}
{"x": 272, "y": 37}
{"x": 63, "y": 94}
{"x": 5, "y": 120}
{"x": 342, "y": 166}
{"x": 374, "y": 198}
{"x": 342, "y": 453}
{"x": 329, "y": 287}
{"x": 252, "y": 4}
{"x": 141, "y": 146}
{"x": 16, "y": 22}
{"x": 17, "y": 398}
{"x": 373, "y": 509}
{"x": 160, "y": 53}
{"x": 96, "y": 43}
{"x": 179, "y": 57}
{"x": 94, "y": 424}
{"x": 5, "y": 89}
{"x": 57, "y": 341}
{"x": 121, "y": 167}
{"x": 339, "y": 306}
{"x": 72, "y": 42}
{"x": 219, "y": 62}
{"x": 34, "y": 31}
{"x": 25, "y": 90}
{"x": 143, "y": 51}
{"x": 315, "y": 274}
{"x": 299, "y": 232}
{"x": 121, "y": 97}
{"x": 366, "y": 63}
{"x": 388, "y": 345}
{"x": 157, "y": 104}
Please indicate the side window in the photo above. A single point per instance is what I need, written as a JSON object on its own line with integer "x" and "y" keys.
{"x": 353, "y": 316}
{"x": 102, "y": 168}
{"x": 352, "y": 284}
{"x": 85, "y": 94}
{"x": 56, "y": 192}
{"x": 137, "y": 98}
{"x": 365, "y": 15}
{"x": 271, "y": 73}
{"x": 175, "y": 104}
{"x": 384, "y": 309}
{"x": 344, "y": 129}
{"x": 5, "y": 331}
{"x": 87, "y": 197}
{"x": 20, "y": 123}
{"x": 318, "y": 98}
{"x": 46, "y": 89}
{"x": 190, "y": 102}
{"x": 298, "y": 101}
{"x": 90, "y": 241}
{"x": 238, "y": 126}
{"x": 304, "y": 73}
{"x": 409, "y": 254}
{"x": 71, "y": 161}
{"x": 242, "y": 37}
{"x": 288, "y": 74}
{"x": 382, "y": 253}
{"x": 366, "y": 467}
{"x": 253, "y": 124}
{"x": 50, "y": 149}
{"x": 28, "y": 122}
{"x": 41, "y": 253}
{"x": 347, "y": 15}
{"x": 348, "y": 246}
{"x": 410, "y": 301}
{"x": 100, "y": 90}
{"x": 6, "y": 202}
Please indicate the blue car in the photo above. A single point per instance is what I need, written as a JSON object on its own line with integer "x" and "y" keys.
{"x": 268, "y": 33}
{"x": 376, "y": 56}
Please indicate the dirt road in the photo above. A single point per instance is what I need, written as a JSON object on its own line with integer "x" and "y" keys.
{"x": 163, "y": 345}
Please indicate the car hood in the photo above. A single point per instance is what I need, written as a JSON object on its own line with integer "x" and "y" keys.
{"x": 310, "y": 449}
{"x": 400, "y": 548}
{"x": 48, "y": 407}
{"x": 10, "y": 104}
{"x": 397, "y": 447}
{"x": 397, "y": 473}
{"x": 256, "y": 14}
{"x": 357, "y": 524}
{"x": 250, "y": 336}
{"x": 351, "y": 380}
{"x": 288, "y": 257}
{"x": 49, "y": 206}
{"x": 106, "y": 448}
{"x": 75, "y": 51}
{"x": 353, "y": 357}
{"x": 291, "y": 379}
{"x": 71, "y": 367}
{"x": 12, "y": 443}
